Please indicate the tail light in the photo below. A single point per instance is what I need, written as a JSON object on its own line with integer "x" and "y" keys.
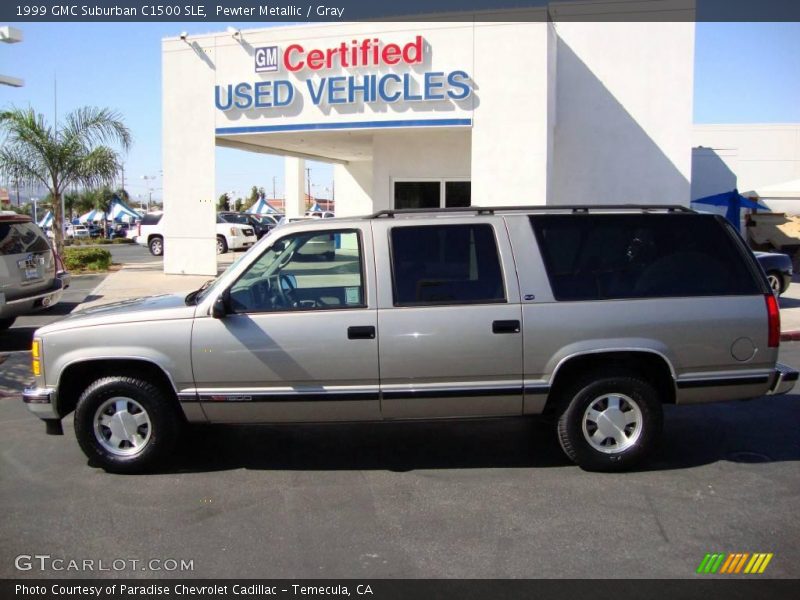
{"x": 773, "y": 321}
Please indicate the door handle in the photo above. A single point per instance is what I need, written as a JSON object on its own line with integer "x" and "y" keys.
{"x": 505, "y": 326}
{"x": 361, "y": 332}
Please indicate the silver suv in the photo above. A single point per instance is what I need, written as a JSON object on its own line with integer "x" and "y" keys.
{"x": 593, "y": 316}
{"x": 31, "y": 275}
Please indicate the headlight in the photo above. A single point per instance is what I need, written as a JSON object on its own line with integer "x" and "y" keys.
{"x": 36, "y": 357}
{"x": 233, "y": 231}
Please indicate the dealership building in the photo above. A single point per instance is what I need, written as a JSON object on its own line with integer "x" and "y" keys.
{"x": 430, "y": 114}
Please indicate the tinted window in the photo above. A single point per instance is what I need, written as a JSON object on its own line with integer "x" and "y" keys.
{"x": 446, "y": 264}
{"x": 151, "y": 219}
{"x": 21, "y": 238}
{"x": 595, "y": 257}
{"x": 417, "y": 194}
{"x": 305, "y": 271}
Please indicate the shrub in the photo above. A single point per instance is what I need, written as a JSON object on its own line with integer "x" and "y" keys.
{"x": 122, "y": 241}
{"x": 87, "y": 259}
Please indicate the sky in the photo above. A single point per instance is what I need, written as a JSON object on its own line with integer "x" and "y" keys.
{"x": 744, "y": 73}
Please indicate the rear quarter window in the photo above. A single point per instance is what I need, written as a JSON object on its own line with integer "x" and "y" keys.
{"x": 603, "y": 257}
{"x": 21, "y": 238}
{"x": 151, "y": 219}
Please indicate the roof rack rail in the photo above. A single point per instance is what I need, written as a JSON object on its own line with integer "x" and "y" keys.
{"x": 490, "y": 210}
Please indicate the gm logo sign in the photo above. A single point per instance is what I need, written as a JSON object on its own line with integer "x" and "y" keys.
{"x": 266, "y": 59}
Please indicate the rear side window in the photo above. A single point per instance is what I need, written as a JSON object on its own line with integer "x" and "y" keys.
{"x": 21, "y": 238}
{"x": 150, "y": 219}
{"x": 599, "y": 257}
{"x": 446, "y": 264}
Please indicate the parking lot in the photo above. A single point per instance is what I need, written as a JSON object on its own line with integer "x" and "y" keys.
{"x": 494, "y": 499}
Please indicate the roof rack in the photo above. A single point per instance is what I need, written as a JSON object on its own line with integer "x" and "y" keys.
{"x": 575, "y": 208}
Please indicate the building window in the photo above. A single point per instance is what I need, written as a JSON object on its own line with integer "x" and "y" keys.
{"x": 432, "y": 193}
{"x": 446, "y": 264}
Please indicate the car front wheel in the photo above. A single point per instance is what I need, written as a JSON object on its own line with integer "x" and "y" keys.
{"x": 610, "y": 421}
{"x": 222, "y": 245}
{"x": 126, "y": 424}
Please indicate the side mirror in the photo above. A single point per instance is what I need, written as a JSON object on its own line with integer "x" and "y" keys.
{"x": 220, "y": 307}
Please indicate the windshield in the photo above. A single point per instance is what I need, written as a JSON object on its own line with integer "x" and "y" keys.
{"x": 209, "y": 286}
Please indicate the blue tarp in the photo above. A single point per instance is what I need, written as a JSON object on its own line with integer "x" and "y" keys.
{"x": 735, "y": 203}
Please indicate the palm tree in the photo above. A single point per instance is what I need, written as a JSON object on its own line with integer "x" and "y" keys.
{"x": 57, "y": 157}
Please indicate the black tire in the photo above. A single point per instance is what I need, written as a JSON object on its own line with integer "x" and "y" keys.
{"x": 6, "y": 323}
{"x": 222, "y": 245}
{"x": 633, "y": 392}
{"x": 156, "y": 245}
{"x": 161, "y": 409}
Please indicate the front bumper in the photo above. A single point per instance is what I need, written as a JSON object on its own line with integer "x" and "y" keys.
{"x": 240, "y": 242}
{"x": 41, "y": 402}
{"x": 783, "y": 380}
{"x": 37, "y": 301}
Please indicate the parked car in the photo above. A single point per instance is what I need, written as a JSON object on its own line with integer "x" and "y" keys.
{"x": 778, "y": 268}
{"x": 230, "y": 236}
{"x": 319, "y": 214}
{"x": 95, "y": 231}
{"x": 260, "y": 227}
{"x": 32, "y": 276}
{"x": 77, "y": 231}
{"x": 595, "y": 317}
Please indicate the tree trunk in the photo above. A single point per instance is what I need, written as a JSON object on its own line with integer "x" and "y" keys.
{"x": 58, "y": 223}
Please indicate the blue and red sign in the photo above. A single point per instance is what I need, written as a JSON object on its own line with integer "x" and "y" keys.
{"x": 358, "y": 88}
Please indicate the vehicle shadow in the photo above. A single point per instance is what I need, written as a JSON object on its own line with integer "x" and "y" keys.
{"x": 16, "y": 339}
{"x": 759, "y": 431}
{"x": 392, "y": 446}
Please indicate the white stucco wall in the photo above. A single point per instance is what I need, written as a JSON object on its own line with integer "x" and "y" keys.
{"x": 188, "y": 158}
{"x": 624, "y": 113}
{"x": 512, "y": 138}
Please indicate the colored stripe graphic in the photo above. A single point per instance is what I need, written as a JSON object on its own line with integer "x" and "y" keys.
{"x": 733, "y": 563}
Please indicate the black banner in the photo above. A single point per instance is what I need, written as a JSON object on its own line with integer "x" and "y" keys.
{"x": 383, "y": 589}
{"x": 300, "y": 11}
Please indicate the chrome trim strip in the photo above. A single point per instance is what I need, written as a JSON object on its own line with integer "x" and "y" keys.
{"x": 684, "y": 384}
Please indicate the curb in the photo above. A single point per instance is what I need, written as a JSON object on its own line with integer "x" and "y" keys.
{"x": 790, "y": 336}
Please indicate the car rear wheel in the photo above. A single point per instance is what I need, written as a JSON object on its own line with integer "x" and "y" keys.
{"x": 610, "y": 421}
{"x": 126, "y": 424}
{"x": 775, "y": 282}
{"x": 156, "y": 246}
{"x": 6, "y": 323}
{"x": 222, "y": 245}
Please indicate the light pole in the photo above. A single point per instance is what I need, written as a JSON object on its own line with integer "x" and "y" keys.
{"x": 149, "y": 188}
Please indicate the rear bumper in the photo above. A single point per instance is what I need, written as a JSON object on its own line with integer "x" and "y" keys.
{"x": 36, "y": 301}
{"x": 783, "y": 380}
{"x": 41, "y": 402}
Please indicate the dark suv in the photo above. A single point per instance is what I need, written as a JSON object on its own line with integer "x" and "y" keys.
{"x": 261, "y": 228}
